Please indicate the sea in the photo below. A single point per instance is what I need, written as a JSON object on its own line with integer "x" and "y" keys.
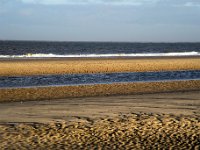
{"x": 50, "y": 49}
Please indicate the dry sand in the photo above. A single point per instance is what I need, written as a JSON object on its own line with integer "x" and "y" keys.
{"x": 57, "y": 92}
{"x": 136, "y": 131}
{"x": 13, "y": 67}
{"x": 153, "y": 121}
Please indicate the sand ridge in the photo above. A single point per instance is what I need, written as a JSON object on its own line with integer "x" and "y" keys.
{"x": 58, "y": 92}
{"x": 20, "y": 67}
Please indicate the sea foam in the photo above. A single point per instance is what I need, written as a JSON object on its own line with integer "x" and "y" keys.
{"x": 40, "y": 55}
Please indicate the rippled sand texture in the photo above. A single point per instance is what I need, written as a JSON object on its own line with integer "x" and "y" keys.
{"x": 136, "y": 131}
{"x": 92, "y": 65}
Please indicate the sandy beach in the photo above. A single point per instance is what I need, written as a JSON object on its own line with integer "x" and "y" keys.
{"x": 142, "y": 115}
{"x": 150, "y": 121}
{"x": 99, "y": 75}
{"x": 19, "y": 67}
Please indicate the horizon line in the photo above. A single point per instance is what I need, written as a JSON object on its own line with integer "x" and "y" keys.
{"x": 98, "y": 41}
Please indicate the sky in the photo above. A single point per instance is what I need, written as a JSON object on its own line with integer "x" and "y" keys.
{"x": 100, "y": 20}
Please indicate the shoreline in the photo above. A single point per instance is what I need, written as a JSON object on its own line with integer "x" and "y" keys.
{"x": 103, "y": 57}
{"x": 24, "y": 67}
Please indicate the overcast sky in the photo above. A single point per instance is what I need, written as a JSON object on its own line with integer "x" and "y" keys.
{"x": 100, "y": 20}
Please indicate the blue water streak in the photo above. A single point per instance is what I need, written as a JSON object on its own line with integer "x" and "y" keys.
{"x": 102, "y": 78}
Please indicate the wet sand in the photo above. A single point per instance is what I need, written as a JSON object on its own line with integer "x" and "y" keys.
{"x": 149, "y": 121}
{"x": 186, "y": 103}
{"x": 18, "y": 67}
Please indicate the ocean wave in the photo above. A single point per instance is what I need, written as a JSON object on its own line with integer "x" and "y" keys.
{"x": 40, "y": 55}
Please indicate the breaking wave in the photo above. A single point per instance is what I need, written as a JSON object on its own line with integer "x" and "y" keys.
{"x": 40, "y": 55}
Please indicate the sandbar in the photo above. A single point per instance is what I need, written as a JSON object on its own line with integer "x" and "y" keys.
{"x": 20, "y": 67}
{"x": 58, "y": 92}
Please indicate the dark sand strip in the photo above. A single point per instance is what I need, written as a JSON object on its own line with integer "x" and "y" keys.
{"x": 57, "y": 92}
{"x": 92, "y": 108}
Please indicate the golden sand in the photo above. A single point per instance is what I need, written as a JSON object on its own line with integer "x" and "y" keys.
{"x": 135, "y": 131}
{"x": 57, "y": 92}
{"x": 62, "y": 66}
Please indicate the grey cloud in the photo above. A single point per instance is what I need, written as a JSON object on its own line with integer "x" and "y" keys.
{"x": 192, "y": 4}
{"x": 84, "y": 2}
{"x": 185, "y": 3}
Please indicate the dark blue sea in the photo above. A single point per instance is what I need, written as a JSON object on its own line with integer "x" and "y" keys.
{"x": 94, "y": 49}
